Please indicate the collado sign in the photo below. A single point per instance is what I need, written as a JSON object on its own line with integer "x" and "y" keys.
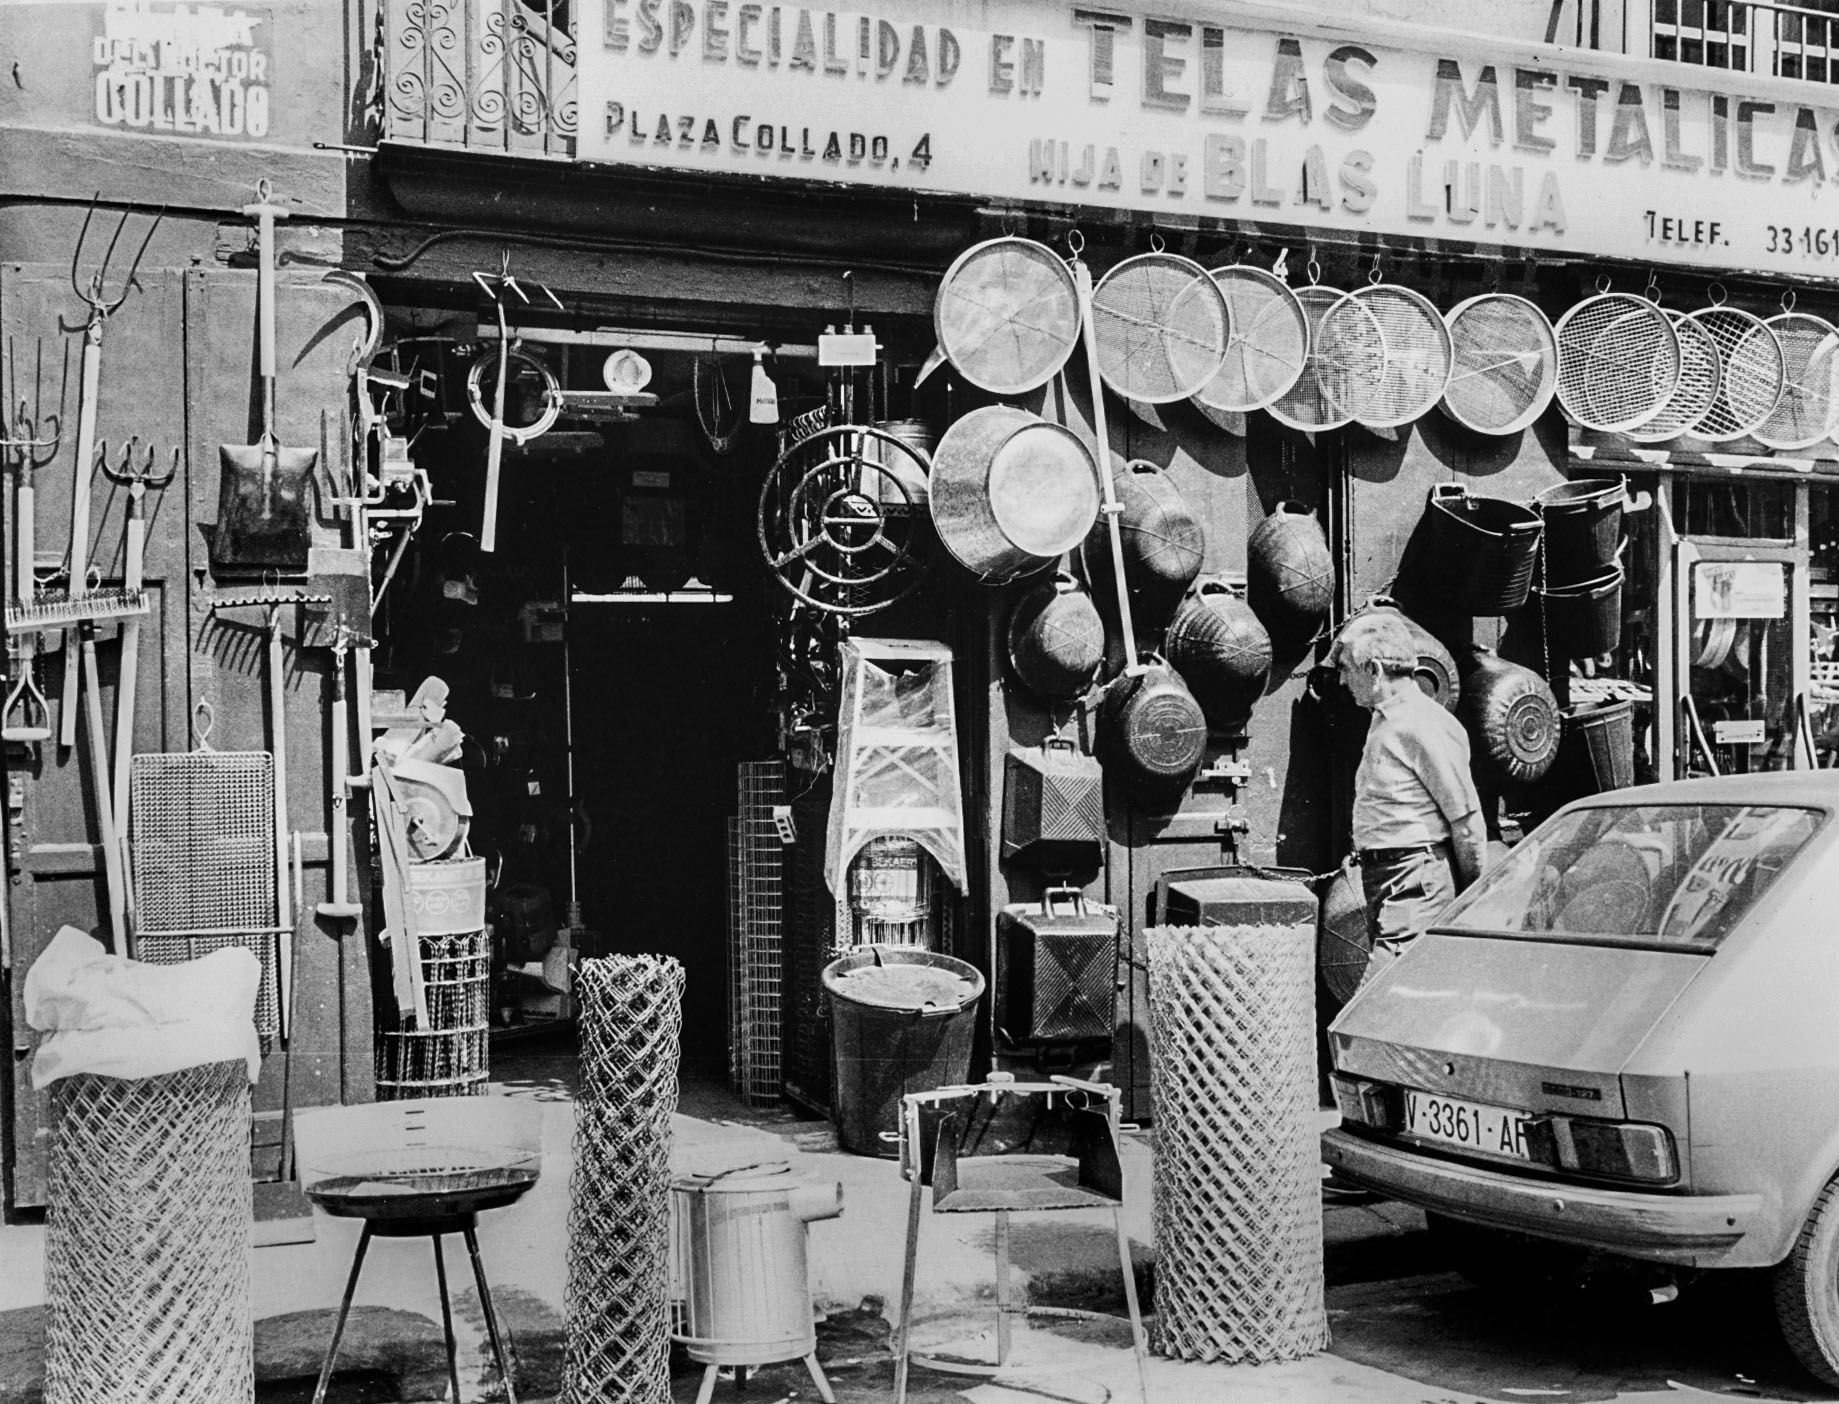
{"x": 1250, "y": 114}
{"x": 188, "y": 70}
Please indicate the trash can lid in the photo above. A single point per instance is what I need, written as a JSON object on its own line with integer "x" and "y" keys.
{"x": 903, "y": 986}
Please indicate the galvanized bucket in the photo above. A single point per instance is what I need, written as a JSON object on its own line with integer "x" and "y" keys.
{"x": 1011, "y": 492}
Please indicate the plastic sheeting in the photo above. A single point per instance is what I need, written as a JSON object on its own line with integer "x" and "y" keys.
{"x": 114, "y": 1017}
{"x": 897, "y": 755}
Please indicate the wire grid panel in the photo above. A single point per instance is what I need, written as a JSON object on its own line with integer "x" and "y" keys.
{"x": 1267, "y": 342}
{"x": 147, "y": 1258}
{"x": 758, "y": 896}
{"x": 1810, "y": 382}
{"x": 1237, "y": 1180}
{"x": 1160, "y": 325}
{"x": 451, "y": 1055}
{"x": 1618, "y": 361}
{"x": 737, "y": 954}
{"x": 1697, "y": 387}
{"x": 617, "y": 1347}
{"x": 1504, "y": 364}
{"x": 1304, "y": 405}
{"x": 202, "y": 833}
{"x": 1751, "y": 373}
{"x": 1007, "y": 315}
{"x": 1397, "y": 375}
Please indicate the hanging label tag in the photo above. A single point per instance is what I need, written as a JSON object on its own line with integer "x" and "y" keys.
{"x": 763, "y": 398}
{"x": 782, "y": 820}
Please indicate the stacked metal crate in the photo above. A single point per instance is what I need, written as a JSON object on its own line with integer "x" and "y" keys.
{"x": 756, "y": 933}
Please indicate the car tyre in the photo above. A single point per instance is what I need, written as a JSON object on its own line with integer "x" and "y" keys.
{"x": 1806, "y": 1290}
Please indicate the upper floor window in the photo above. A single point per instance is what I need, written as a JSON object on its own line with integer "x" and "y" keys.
{"x": 1783, "y": 40}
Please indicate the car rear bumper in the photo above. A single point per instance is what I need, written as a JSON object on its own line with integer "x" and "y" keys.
{"x": 1688, "y": 1229}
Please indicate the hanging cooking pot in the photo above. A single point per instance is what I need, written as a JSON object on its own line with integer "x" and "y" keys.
{"x": 1056, "y": 638}
{"x": 1163, "y": 542}
{"x": 1221, "y": 651}
{"x": 1011, "y": 492}
{"x": 1152, "y": 734}
{"x": 1290, "y": 575}
{"x": 1511, "y": 715}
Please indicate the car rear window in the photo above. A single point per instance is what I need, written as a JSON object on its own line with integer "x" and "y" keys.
{"x": 1676, "y": 874}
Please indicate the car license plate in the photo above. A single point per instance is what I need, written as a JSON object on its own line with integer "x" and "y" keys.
{"x": 1470, "y": 1125}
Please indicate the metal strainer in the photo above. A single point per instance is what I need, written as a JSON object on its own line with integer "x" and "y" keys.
{"x": 1618, "y": 361}
{"x": 1268, "y": 342}
{"x": 1006, "y": 315}
{"x": 1752, "y": 373}
{"x": 1504, "y": 370}
{"x": 1306, "y": 405}
{"x": 1160, "y": 324}
{"x": 1810, "y": 393}
{"x": 1412, "y": 355}
{"x": 1697, "y": 387}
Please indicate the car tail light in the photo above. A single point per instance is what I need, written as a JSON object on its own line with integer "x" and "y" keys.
{"x": 1369, "y": 1103}
{"x": 1611, "y": 1149}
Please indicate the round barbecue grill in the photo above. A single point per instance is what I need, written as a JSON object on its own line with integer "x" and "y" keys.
{"x": 395, "y": 1183}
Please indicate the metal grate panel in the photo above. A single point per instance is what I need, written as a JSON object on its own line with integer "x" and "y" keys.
{"x": 757, "y": 906}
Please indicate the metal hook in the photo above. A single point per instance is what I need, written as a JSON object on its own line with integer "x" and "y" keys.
{"x": 1313, "y": 268}
{"x": 1372, "y": 276}
{"x": 1717, "y": 294}
{"x": 1075, "y": 242}
{"x": 1156, "y": 242}
{"x": 1602, "y": 283}
{"x": 849, "y": 292}
{"x": 1787, "y": 299}
{"x": 1652, "y": 291}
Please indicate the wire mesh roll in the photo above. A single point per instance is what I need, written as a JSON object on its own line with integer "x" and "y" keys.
{"x": 1267, "y": 342}
{"x": 147, "y": 1259}
{"x": 1618, "y": 361}
{"x": 1809, "y": 404}
{"x": 1696, "y": 388}
{"x": 1504, "y": 366}
{"x": 1751, "y": 373}
{"x": 1396, "y": 375}
{"x": 1006, "y": 315}
{"x": 617, "y": 1299}
{"x": 1161, "y": 326}
{"x": 1237, "y": 1211}
{"x": 1305, "y": 405}
{"x": 450, "y": 1055}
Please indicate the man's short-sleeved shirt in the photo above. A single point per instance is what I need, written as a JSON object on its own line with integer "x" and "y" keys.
{"x": 1413, "y": 783}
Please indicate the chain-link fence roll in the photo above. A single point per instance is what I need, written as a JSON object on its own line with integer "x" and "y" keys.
{"x": 148, "y": 1206}
{"x": 617, "y": 1307}
{"x": 1237, "y": 1209}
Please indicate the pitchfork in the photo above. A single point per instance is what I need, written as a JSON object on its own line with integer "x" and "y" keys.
{"x": 95, "y": 293}
{"x": 29, "y": 453}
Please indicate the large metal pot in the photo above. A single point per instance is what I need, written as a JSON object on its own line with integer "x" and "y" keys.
{"x": 1011, "y": 492}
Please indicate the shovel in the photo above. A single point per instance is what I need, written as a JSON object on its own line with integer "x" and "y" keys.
{"x": 262, "y": 520}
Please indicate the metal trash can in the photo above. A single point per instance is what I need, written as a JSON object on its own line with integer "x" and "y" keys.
{"x": 903, "y": 1021}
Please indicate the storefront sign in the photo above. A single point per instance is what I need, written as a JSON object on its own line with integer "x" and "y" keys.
{"x": 1739, "y": 590}
{"x": 1237, "y": 113}
{"x": 183, "y": 69}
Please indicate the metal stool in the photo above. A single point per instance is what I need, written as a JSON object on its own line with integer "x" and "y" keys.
{"x": 416, "y": 1169}
{"x": 938, "y": 1139}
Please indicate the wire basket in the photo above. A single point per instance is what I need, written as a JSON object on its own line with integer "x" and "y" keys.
{"x": 1809, "y": 404}
{"x": 1504, "y": 364}
{"x": 1618, "y": 361}
{"x": 1237, "y": 1209}
{"x": 1305, "y": 405}
{"x": 1752, "y": 371}
{"x": 1696, "y": 389}
{"x": 1267, "y": 344}
{"x": 1160, "y": 324}
{"x": 1006, "y": 315}
{"x": 147, "y": 1259}
{"x": 450, "y": 1055}
{"x": 1398, "y": 360}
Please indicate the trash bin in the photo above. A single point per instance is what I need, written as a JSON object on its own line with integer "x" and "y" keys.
{"x": 902, "y": 1021}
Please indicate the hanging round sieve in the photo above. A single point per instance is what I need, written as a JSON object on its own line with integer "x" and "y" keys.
{"x": 1751, "y": 373}
{"x": 1306, "y": 405}
{"x": 1696, "y": 389}
{"x": 1267, "y": 344}
{"x": 1504, "y": 368}
{"x": 1810, "y": 392}
{"x": 1006, "y": 315}
{"x": 1411, "y": 354}
{"x": 1160, "y": 326}
{"x": 1618, "y": 361}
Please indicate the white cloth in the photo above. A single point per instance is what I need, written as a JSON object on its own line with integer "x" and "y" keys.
{"x": 115, "y": 1017}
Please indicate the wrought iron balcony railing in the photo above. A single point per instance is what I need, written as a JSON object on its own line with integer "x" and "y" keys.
{"x": 484, "y": 75}
{"x": 1751, "y": 36}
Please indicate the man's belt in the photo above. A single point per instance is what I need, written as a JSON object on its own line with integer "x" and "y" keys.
{"x": 1397, "y": 855}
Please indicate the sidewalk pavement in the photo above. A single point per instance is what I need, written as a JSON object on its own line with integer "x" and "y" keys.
{"x": 393, "y": 1347}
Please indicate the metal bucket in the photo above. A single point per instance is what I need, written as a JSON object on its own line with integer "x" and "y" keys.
{"x": 740, "y": 1262}
{"x": 447, "y": 898}
{"x": 1599, "y": 743}
{"x": 1011, "y": 492}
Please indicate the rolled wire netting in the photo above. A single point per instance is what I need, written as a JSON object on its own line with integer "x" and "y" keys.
{"x": 1237, "y": 1181}
{"x": 617, "y": 1299}
{"x": 449, "y": 1055}
{"x": 149, "y": 1201}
